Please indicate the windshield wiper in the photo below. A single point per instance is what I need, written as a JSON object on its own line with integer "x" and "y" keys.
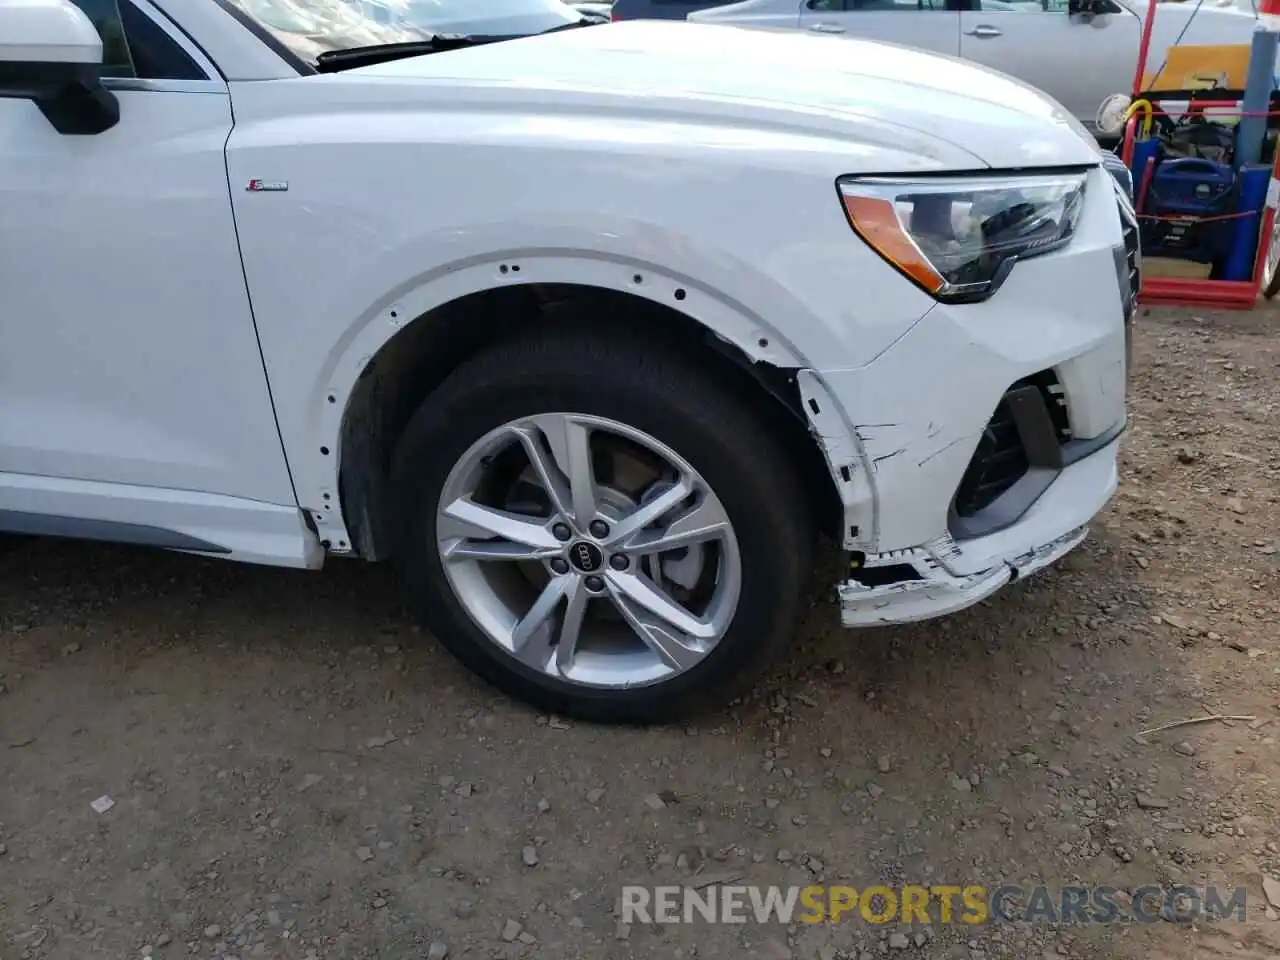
{"x": 333, "y": 61}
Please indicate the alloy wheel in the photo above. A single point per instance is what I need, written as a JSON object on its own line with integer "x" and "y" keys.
{"x": 588, "y": 550}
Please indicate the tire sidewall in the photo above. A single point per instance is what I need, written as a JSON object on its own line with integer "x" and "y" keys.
{"x": 1271, "y": 284}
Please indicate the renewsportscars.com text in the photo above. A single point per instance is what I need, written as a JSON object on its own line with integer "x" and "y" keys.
{"x": 970, "y": 905}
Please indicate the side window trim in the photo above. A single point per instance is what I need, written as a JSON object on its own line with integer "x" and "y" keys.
{"x": 213, "y": 82}
{"x": 164, "y": 86}
{"x": 182, "y": 39}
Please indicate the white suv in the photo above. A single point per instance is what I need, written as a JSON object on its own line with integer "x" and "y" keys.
{"x": 588, "y": 332}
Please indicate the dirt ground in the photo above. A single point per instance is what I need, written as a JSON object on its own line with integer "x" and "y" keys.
{"x": 298, "y": 773}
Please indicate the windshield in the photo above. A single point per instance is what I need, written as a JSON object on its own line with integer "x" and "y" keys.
{"x": 312, "y": 27}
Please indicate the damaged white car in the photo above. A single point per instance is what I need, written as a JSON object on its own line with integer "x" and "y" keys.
{"x": 588, "y": 332}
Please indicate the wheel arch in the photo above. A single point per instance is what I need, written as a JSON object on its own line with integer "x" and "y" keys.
{"x": 352, "y": 510}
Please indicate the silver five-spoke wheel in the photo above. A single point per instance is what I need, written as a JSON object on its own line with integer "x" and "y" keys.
{"x": 588, "y": 550}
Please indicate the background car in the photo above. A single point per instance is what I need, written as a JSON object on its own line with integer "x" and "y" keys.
{"x": 1078, "y": 59}
{"x": 657, "y": 9}
{"x": 595, "y": 10}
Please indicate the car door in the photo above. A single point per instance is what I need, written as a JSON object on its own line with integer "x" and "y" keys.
{"x": 1079, "y": 61}
{"x": 132, "y": 389}
{"x": 926, "y": 24}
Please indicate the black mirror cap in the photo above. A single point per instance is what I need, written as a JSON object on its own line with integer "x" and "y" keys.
{"x": 70, "y": 95}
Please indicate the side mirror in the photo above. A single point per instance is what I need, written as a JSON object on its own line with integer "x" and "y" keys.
{"x": 51, "y": 54}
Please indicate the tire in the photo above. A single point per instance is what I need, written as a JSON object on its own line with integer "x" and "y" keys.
{"x": 670, "y": 397}
{"x": 1271, "y": 264}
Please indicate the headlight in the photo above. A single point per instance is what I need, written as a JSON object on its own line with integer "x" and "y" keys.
{"x": 958, "y": 237}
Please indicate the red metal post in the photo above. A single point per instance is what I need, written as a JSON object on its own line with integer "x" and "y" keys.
{"x": 1144, "y": 46}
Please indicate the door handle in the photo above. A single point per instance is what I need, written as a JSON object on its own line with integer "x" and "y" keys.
{"x": 983, "y": 30}
{"x": 827, "y": 28}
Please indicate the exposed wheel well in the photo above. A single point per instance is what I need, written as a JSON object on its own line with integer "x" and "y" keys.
{"x": 416, "y": 360}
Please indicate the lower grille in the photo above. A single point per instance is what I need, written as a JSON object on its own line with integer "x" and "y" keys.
{"x": 999, "y": 462}
{"x": 1028, "y": 429}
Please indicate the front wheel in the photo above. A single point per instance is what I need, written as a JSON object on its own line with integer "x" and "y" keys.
{"x": 1271, "y": 264}
{"x": 602, "y": 527}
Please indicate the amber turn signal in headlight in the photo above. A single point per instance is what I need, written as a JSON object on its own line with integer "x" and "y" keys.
{"x": 957, "y": 238}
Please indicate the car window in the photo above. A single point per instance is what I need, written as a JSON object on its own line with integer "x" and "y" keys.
{"x": 134, "y": 45}
{"x": 1036, "y": 6}
{"x": 876, "y": 6}
{"x": 105, "y": 16}
{"x": 1060, "y": 6}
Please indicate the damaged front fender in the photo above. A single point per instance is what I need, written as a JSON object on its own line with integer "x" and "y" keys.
{"x": 846, "y": 459}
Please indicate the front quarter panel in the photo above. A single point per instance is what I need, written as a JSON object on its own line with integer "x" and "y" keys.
{"x": 377, "y": 210}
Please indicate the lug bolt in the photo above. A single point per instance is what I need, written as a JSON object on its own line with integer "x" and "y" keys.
{"x": 595, "y": 584}
{"x": 559, "y": 565}
{"x": 619, "y": 562}
{"x": 599, "y": 529}
{"x": 561, "y": 531}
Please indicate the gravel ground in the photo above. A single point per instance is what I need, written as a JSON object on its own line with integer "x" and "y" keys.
{"x": 297, "y": 773}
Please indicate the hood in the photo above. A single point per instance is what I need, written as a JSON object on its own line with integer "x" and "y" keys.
{"x": 854, "y": 91}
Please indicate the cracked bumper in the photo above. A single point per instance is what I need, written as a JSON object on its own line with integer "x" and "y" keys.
{"x": 950, "y": 576}
{"x": 941, "y": 593}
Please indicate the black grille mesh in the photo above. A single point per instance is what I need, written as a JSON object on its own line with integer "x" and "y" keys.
{"x": 1001, "y": 459}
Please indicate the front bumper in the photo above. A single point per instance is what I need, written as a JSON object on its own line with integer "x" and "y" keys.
{"x": 940, "y": 593}
{"x": 967, "y": 500}
{"x": 937, "y": 578}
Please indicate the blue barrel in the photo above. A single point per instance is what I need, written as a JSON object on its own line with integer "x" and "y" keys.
{"x": 1143, "y": 150}
{"x": 1253, "y": 183}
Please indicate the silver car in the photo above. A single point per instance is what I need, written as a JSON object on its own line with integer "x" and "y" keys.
{"x": 1077, "y": 51}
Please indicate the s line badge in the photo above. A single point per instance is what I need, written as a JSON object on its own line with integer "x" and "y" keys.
{"x": 268, "y": 186}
